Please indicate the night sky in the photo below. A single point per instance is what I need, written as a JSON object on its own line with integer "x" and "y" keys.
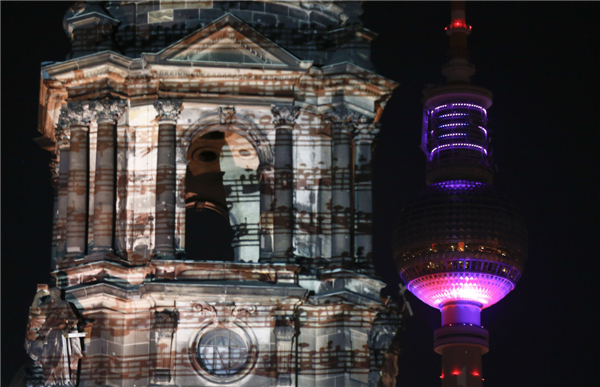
{"x": 540, "y": 60}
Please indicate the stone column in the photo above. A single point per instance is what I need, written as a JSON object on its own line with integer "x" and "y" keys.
{"x": 341, "y": 184}
{"x": 363, "y": 141}
{"x": 77, "y": 117}
{"x": 284, "y": 117}
{"x": 265, "y": 173}
{"x": 168, "y": 112}
{"x": 108, "y": 112}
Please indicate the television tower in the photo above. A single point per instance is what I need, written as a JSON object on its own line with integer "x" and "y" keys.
{"x": 460, "y": 246}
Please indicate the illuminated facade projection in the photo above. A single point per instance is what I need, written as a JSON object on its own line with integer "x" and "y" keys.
{"x": 460, "y": 246}
{"x": 213, "y": 199}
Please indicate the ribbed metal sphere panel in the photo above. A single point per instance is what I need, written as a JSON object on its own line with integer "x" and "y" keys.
{"x": 460, "y": 226}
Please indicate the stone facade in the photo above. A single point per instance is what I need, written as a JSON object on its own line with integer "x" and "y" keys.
{"x": 212, "y": 209}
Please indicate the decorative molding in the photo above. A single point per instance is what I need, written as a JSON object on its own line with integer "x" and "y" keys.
{"x": 227, "y": 115}
{"x": 284, "y": 114}
{"x": 109, "y": 110}
{"x": 168, "y": 109}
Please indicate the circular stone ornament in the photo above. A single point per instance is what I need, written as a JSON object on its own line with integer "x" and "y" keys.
{"x": 224, "y": 353}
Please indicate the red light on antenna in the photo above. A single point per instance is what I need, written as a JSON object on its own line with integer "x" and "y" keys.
{"x": 475, "y": 373}
{"x": 456, "y": 373}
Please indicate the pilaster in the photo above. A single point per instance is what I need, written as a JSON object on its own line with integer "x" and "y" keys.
{"x": 364, "y": 135}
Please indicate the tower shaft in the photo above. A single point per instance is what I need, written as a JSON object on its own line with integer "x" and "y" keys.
{"x": 460, "y": 246}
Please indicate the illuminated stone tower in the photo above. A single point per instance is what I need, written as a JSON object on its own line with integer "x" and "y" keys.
{"x": 213, "y": 199}
{"x": 460, "y": 246}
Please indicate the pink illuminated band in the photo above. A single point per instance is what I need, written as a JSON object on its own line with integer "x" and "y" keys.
{"x": 467, "y": 105}
{"x": 440, "y": 288}
{"x": 482, "y": 128}
{"x": 452, "y": 135}
{"x": 453, "y": 124}
{"x": 457, "y": 184}
{"x": 454, "y": 115}
{"x": 458, "y": 145}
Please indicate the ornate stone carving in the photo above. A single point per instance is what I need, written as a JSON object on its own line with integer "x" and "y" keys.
{"x": 55, "y": 169}
{"x": 76, "y": 114}
{"x": 109, "y": 110}
{"x": 168, "y": 109}
{"x": 384, "y": 347}
{"x": 242, "y": 310}
{"x": 227, "y": 115}
{"x": 284, "y": 114}
{"x": 52, "y": 340}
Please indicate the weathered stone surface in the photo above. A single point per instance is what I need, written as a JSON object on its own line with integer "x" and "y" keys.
{"x": 267, "y": 154}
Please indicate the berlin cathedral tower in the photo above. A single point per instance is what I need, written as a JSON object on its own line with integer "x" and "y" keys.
{"x": 212, "y": 203}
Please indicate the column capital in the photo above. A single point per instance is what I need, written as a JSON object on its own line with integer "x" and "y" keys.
{"x": 109, "y": 110}
{"x": 342, "y": 116}
{"x": 168, "y": 109}
{"x": 284, "y": 328}
{"x": 62, "y": 135}
{"x": 366, "y": 130}
{"x": 76, "y": 114}
{"x": 284, "y": 114}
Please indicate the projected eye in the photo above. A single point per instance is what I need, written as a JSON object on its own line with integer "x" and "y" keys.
{"x": 207, "y": 156}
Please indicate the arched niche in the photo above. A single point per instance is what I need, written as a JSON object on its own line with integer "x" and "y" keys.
{"x": 226, "y": 189}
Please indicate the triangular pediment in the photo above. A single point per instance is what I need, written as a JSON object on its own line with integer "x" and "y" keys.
{"x": 229, "y": 41}
{"x": 227, "y": 45}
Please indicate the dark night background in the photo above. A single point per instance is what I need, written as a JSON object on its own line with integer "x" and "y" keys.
{"x": 540, "y": 59}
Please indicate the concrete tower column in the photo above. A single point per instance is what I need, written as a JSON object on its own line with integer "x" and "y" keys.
{"x": 284, "y": 118}
{"x": 461, "y": 341}
{"x": 77, "y": 117}
{"x": 363, "y": 222}
{"x": 341, "y": 184}
{"x": 108, "y": 112}
{"x": 168, "y": 112}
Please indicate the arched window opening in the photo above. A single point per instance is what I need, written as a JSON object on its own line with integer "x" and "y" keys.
{"x": 222, "y": 198}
